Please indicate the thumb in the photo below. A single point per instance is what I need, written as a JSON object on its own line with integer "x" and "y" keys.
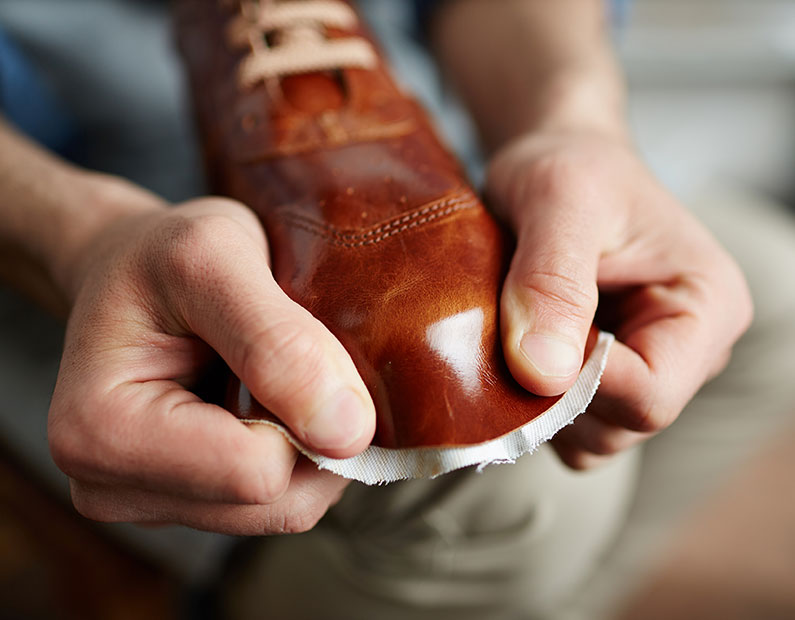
{"x": 288, "y": 360}
{"x": 548, "y": 301}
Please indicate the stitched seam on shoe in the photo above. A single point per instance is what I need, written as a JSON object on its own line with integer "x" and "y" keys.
{"x": 383, "y": 228}
{"x": 448, "y": 204}
{"x": 336, "y": 240}
{"x": 457, "y": 202}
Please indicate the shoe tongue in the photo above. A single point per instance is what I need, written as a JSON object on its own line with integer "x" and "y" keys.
{"x": 313, "y": 93}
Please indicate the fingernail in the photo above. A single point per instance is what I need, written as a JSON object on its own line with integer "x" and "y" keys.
{"x": 551, "y": 357}
{"x": 339, "y": 424}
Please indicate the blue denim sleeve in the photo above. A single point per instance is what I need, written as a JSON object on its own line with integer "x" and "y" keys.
{"x": 422, "y": 11}
{"x": 27, "y": 103}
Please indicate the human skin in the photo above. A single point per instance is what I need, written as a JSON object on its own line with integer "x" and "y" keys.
{"x": 591, "y": 221}
{"x": 152, "y": 293}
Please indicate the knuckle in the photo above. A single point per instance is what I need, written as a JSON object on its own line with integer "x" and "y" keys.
{"x": 651, "y": 417}
{"x": 576, "y": 459}
{"x": 303, "y": 514}
{"x": 257, "y": 487}
{"x": 295, "y": 524}
{"x": 63, "y": 447}
{"x": 89, "y": 439}
{"x": 70, "y": 435}
{"x": 284, "y": 358}
{"x": 243, "y": 489}
{"x": 646, "y": 399}
{"x": 190, "y": 246}
{"x": 67, "y": 453}
{"x": 567, "y": 453}
{"x": 87, "y": 506}
{"x": 564, "y": 292}
{"x": 606, "y": 443}
{"x": 734, "y": 290}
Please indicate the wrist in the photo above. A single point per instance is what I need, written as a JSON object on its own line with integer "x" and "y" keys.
{"x": 574, "y": 101}
{"x": 51, "y": 212}
{"x": 554, "y": 160}
{"x": 95, "y": 203}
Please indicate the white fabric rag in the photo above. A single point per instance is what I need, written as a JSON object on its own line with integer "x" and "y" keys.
{"x": 377, "y": 465}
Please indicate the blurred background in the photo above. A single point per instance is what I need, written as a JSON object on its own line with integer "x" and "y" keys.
{"x": 712, "y": 533}
{"x": 713, "y": 92}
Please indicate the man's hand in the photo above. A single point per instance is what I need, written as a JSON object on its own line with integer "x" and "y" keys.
{"x": 156, "y": 295}
{"x": 593, "y": 226}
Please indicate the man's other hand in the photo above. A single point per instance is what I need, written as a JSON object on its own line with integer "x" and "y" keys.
{"x": 595, "y": 230}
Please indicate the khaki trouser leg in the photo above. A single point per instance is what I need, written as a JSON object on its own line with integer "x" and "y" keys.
{"x": 509, "y": 542}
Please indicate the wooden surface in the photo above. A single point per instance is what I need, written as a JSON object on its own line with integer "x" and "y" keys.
{"x": 55, "y": 564}
{"x": 734, "y": 559}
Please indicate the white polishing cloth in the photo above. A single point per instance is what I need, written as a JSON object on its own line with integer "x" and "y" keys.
{"x": 381, "y": 465}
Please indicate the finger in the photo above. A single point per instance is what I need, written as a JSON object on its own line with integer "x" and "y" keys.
{"x": 575, "y": 457}
{"x": 665, "y": 352}
{"x": 157, "y": 436}
{"x": 591, "y": 434}
{"x": 289, "y": 361}
{"x": 550, "y": 296}
{"x": 309, "y": 496}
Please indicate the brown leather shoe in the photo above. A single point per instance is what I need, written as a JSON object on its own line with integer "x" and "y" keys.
{"x": 371, "y": 223}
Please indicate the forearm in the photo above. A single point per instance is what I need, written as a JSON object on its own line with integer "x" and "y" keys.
{"x": 50, "y": 210}
{"x": 525, "y": 65}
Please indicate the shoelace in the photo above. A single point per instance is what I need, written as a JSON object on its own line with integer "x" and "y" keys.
{"x": 288, "y": 37}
